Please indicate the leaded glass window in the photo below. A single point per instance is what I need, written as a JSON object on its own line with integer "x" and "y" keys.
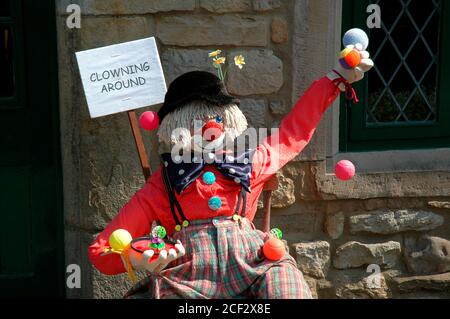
{"x": 405, "y": 99}
{"x": 402, "y": 87}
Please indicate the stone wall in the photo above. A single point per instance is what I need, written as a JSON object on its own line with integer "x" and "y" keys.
{"x": 335, "y": 230}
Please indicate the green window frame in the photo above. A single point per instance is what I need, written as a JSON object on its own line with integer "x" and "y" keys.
{"x": 14, "y": 24}
{"x": 31, "y": 241}
{"x": 357, "y": 133}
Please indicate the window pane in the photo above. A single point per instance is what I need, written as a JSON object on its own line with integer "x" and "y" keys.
{"x": 6, "y": 63}
{"x": 402, "y": 88}
{"x": 4, "y": 8}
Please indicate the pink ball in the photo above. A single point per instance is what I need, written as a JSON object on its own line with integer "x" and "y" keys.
{"x": 345, "y": 170}
{"x": 149, "y": 121}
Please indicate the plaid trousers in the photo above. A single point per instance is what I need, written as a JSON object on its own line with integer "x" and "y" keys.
{"x": 224, "y": 260}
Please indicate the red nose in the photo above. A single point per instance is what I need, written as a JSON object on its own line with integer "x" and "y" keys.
{"x": 211, "y": 131}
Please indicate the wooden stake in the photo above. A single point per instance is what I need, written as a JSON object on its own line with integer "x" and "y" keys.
{"x": 270, "y": 186}
{"x": 143, "y": 157}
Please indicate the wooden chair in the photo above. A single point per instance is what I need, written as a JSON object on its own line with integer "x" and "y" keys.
{"x": 270, "y": 186}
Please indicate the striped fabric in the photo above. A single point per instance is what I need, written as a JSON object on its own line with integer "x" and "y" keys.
{"x": 224, "y": 260}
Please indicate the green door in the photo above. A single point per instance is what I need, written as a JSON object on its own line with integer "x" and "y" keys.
{"x": 31, "y": 228}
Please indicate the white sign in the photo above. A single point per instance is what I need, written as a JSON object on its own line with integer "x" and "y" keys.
{"x": 122, "y": 77}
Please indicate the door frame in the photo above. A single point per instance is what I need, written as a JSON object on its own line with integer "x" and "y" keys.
{"x": 38, "y": 52}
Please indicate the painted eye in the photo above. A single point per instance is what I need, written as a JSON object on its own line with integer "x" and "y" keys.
{"x": 219, "y": 119}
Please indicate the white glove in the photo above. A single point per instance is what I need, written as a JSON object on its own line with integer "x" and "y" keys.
{"x": 141, "y": 261}
{"x": 356, "y": 74}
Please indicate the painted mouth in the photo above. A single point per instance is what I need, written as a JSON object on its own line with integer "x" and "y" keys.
{"x": 212, "y": 131}
{"x": 200, "y": 144}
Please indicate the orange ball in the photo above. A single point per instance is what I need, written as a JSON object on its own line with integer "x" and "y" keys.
{"x": 353, "y": 59}
{"x": 274, "y": 249}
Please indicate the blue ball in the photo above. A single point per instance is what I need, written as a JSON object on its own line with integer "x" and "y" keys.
{"x": 215, "y": 203}
{"x": 355, "y": 36}
{"x": 209, "y": 178}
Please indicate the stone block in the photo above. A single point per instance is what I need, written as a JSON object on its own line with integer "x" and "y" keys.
{"x": 389, "y": 185}
{"x": 298, "y": 226}
{"x": 313, "y": 258}
{"x": 439, "y": 282}
{"x": 357, "y": 284}
{"x": 179, "y": 61}
{"x": 440, "y": 205}
{"x": 120, "y": 7}
{"x": 334, "y": 225}
{"x": 280, "y": 30}
{"x": 266, "y": 5}
{"x": 262, "y": 74}
{"x": 391, "y": 222}
{"x": 284, "y": 196}
{"x": 222, "y": 6}
{"x": 102, "y": 31}
{"x": 355, "y": 254}
{"x": 426, "y": 255}
{"x": 279, "y": 107}
{"x": 255, "y": 111}
{"x": 108, "y": 198}
{"x": 212, "y": 30}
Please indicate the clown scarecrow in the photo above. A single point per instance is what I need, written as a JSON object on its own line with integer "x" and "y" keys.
{"x": 205, "y": 194}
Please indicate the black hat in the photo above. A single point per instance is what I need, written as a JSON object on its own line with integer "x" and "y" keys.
{"x": 192, "y": 86}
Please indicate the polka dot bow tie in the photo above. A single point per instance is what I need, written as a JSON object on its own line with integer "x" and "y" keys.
{"x": 184, "y": 171}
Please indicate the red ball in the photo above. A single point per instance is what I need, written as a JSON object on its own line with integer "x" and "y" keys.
{"x": 149, "y": 121}
{"x": 274, "y": 249}
{"x": 345, "y": 170}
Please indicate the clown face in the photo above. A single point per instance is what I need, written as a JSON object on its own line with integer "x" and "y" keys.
{"x": 201, "y": 127}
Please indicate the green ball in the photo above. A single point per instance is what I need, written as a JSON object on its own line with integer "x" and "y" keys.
{"x": 159, "y": 231}
{"x": 157, "y": 246}
{"x": 276, "y": 232}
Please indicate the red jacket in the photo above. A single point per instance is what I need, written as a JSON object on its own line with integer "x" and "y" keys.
{"x": 151, "y": 202}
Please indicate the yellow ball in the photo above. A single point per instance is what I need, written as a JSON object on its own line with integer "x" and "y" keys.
{"x": 120, "y": 239}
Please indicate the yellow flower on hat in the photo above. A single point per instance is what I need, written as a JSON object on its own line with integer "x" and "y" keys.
{"x": 219, "y": 61}
{"x": 215, "y": 53}
{"x": 239, "y": 61}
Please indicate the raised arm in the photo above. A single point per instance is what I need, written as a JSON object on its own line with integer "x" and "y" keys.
{"x": 298, "y": 127}
{"x": 296, "y": 130}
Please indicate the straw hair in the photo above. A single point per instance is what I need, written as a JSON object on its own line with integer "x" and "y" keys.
{"x": 177, "y": 126}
